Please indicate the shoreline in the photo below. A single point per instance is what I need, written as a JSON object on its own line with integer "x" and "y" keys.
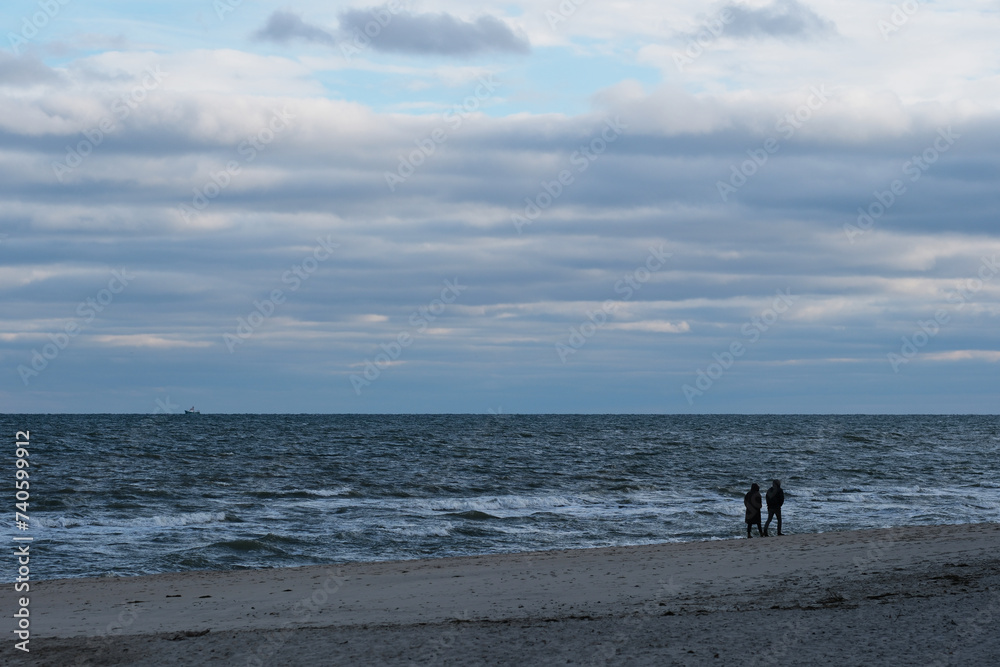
{"x": 501, "y": 555}
{"x": 657, "y": 589}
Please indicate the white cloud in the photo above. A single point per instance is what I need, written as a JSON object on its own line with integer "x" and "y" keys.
{"x": 652, "y": 326}
{"x": 147, "y": 340}
{"x": 990, "y": 356}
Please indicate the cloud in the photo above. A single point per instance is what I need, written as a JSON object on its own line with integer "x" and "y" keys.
{"x": 24, "y": 71}
{"x": 147, "y": 340}
{"x": 439, "y": 34}
{"x": 989, "y": 356}
{"x": 93, "y": 41}
{"x": 283, "y": 27}
{"x": 402, "y": 32}
{"x": 656, "y": 185}
{"x": 652, "y": 326}
{"x": 780, "y": 19}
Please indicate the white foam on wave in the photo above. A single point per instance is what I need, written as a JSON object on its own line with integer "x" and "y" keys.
{"x": 510, "y": 505}
{"x": 171, "y": 520}
{"x": 421, "y": 531}
{"x": 584, "y": 506}
{"x": 159, "y": 521}
{"x": 329, "y": 493}
{"x": 57, "y": 522}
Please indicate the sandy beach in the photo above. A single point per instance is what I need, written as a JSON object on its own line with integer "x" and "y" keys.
{"x": 905, "y": 596}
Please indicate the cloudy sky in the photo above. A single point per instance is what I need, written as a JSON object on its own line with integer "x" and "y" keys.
{"x": 438, "y": 206}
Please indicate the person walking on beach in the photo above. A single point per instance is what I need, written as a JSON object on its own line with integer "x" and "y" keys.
{"x": 775, "y": 499}
{"x": 752, "y": 502}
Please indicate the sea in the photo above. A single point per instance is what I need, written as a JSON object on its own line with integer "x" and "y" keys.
{"x": 126, "y": 495}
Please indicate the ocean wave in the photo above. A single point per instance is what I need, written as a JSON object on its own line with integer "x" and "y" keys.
{"x": 370, "y": 488}
{"x": 158, "y": 521}
{"x": 268, "y": 543}
{"x": 420, "y": 531}
{"x": 501, "y": 503}
{"x": 330, "y": 493}
{"x": 474, "y": 515}
{"x": 340, "y": 491}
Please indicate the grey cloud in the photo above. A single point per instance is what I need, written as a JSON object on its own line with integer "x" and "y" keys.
{"x": 24, "y": 71}
{"x": 782, "y": 18}
{"x": 402, "y": 32}
{"x": 452, "y": 219}
{"x": 282, "y": 27}
{"x": 440, "y": 34}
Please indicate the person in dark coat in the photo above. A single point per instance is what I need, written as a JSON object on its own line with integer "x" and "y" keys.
{"x": 775, "y": 499}
{"x": 752, "y": 502}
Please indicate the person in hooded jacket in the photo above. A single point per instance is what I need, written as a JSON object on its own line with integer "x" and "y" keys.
{"x": 775, "y": 499}
{"x": 752, "y": 502}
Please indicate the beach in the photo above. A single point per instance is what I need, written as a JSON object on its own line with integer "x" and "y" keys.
{"x": 924, "y": 595}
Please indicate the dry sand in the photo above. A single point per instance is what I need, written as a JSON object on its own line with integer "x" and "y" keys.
{"x": 906, "y": 596}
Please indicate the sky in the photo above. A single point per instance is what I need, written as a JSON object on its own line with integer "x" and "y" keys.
{"x": 568, "y": 206}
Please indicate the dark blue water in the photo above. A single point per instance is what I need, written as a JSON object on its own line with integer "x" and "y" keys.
{"x": 135, "y": 494}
